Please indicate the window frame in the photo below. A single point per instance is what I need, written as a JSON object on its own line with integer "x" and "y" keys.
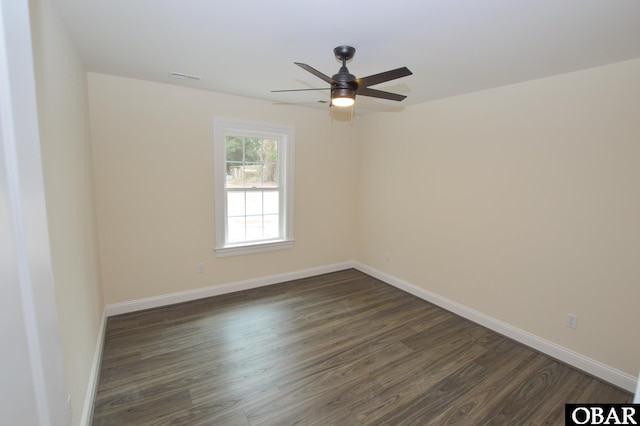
{"x": 285, "y": 135}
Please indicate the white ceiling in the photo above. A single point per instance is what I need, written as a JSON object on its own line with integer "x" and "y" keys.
{"x": 247, "y": 47}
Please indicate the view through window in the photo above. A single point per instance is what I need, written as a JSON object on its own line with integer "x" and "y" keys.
{"x": 253, "y": 190}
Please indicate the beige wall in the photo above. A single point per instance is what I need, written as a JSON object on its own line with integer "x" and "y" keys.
{"x": 63, "y": 111}
{"x": 517, "y": 202}
{"x": 520, "y": 202}
{"x": 153, "y": 159}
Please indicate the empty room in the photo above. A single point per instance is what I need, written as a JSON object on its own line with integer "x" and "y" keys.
{"x": 331, "y": 213}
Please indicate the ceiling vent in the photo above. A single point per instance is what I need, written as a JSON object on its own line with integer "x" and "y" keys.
{"x": 184, "y": 76}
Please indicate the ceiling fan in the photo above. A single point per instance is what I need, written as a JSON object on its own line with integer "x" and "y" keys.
{"x": 345, "y": 86}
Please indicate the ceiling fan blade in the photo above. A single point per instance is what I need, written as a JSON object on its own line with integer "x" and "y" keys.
{"x": 315, "y": 72}
{"x": 383, "y": 76}
{"x": 365, "y": 91}
{"x": 299, "y": 90}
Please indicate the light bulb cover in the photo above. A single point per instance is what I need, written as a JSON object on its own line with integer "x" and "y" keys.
{"x": 342, "y": 102}
{"x": 343, "y": 97}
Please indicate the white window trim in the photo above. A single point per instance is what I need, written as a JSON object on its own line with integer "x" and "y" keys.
{"x": 221, "y": 127}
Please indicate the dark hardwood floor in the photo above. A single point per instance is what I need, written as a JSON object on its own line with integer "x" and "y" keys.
{"x": 337, "y": 349}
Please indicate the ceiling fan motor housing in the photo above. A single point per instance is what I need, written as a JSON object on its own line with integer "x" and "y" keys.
{"x": 343, "y": 92}
{"x": 344, "y": 79}
{"x": 344, "y": 85}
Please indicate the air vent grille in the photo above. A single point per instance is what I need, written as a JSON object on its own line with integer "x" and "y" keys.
{"x": 185, "y": 76}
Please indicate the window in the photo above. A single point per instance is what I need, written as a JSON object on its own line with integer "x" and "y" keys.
{"x": 253, "y": 166}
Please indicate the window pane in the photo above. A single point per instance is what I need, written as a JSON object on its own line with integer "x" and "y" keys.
{"x": 270, "y": 175}
{"x": 252, "y": 150}
{"x": 254, "y": 203}
{"x": 270, "y": 160}
{"x": 270, "y": 151}
{"x": 254, "y": 228}
{"x": 234, "y": 148}
{"x": 253, "y": 175}
{"x": 235, "y": 175}
{"x": 235, "y": 203}
{"x": 236, "y": 229}
{"x": 271, "y": 202}
{"x": 271, "y": 226}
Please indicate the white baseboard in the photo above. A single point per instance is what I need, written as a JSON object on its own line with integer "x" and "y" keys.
{"x": 581, "y": 362}
{"x": 94, "y": 374}
{"x": 186, "y": 296}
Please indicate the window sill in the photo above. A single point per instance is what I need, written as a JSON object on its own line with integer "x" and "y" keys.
{"x": 240, "y": 250}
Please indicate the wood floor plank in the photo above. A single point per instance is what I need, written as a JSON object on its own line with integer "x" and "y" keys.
{"x": 145, "y": 413}
{"x": 145, "y": 391}
{"x": 470, "y": 409}
{"x": 336, "y": 349}
{"x": 434, "y": 399}
{"x": 528, "y": 398}
{"x": 204, "y": 415}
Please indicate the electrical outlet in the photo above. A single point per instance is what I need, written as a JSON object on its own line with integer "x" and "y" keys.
{"x": 201, "y": 268}
{"x": 572, "y": 321}
{"x": 387, "y": 257}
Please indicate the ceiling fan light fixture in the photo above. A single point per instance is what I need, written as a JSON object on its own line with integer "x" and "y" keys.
{"x": 343, "y": 97}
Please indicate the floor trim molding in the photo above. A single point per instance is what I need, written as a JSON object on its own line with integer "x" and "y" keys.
{"x": 186, "y": 296}
{"x": 94, "y": 374}
{"x": 579, "y": 361}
